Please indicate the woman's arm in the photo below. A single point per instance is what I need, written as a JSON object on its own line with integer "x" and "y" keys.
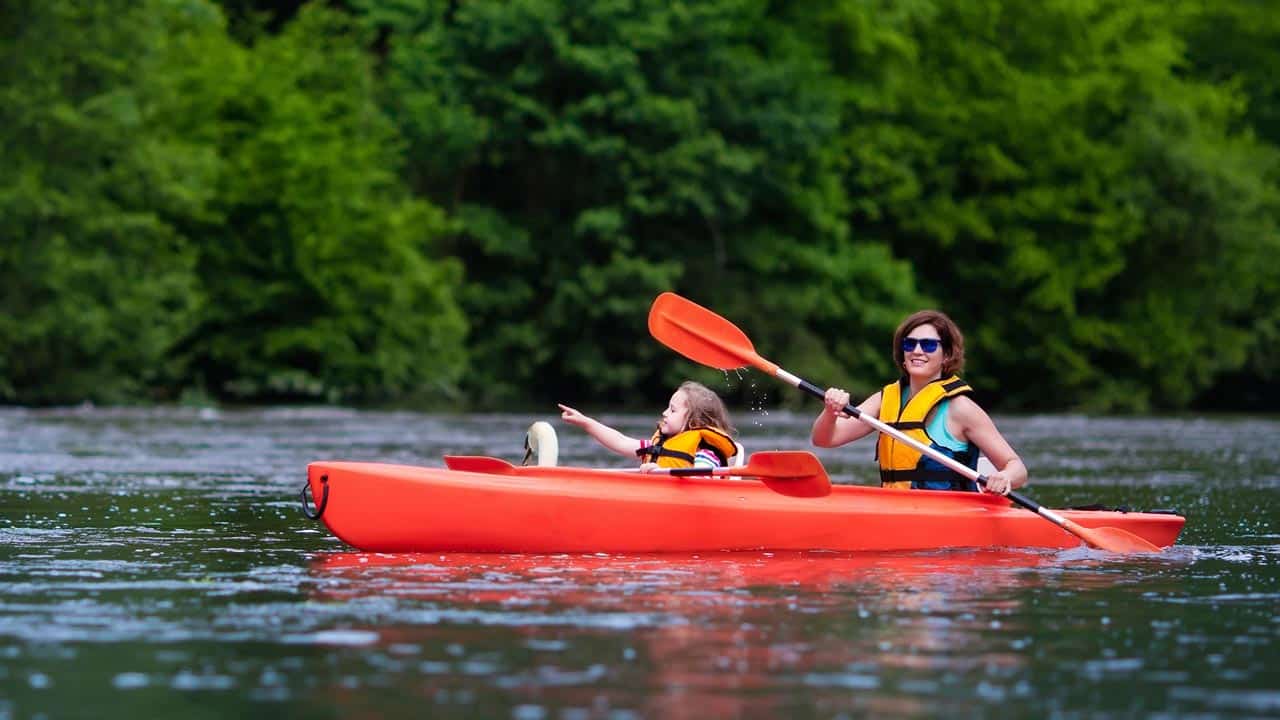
{"x": 833, "y": 427}
{"x": 969, "y": 422}
{"x": 603, "y": 434}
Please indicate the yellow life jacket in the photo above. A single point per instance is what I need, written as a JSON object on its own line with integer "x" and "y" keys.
{"x": 677, "y": 451}
{"x": 904, "y": 467}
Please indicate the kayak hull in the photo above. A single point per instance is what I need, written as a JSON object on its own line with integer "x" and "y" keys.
{"x": 380, "y": 507}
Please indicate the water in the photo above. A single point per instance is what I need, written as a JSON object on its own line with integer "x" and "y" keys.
{"x": 154, "y": 563}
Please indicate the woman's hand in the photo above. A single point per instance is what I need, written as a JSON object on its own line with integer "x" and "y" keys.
{"x": 648, "y": 467}
{"x": 998, "y": 483}
{"x": 836, "y": 400}
{"x": 833, "y": 428}
{"x": 1012, "y": 477}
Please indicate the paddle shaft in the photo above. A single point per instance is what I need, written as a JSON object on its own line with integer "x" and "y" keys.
{"x": 794, "y": 466}
{"x": 798, "y": 474}
{"x": 781, "y": 465}
{"x": 682, "y": 472}
{"x": 686, "y": 472}
{"x": 692, "y": 471}
{"x": 898, "y": 435}
{"x": 793, "y": 473}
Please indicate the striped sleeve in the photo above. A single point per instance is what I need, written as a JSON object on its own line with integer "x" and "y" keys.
{"x": 705, "y": 458}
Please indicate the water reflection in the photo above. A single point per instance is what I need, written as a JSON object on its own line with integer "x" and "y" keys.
{"x": 730, "y": 634}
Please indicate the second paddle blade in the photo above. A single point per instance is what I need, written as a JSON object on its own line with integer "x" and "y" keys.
{"x": 794, "y": 472}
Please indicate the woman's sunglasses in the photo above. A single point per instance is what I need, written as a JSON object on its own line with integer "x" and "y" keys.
{"x": 928, "y": 345}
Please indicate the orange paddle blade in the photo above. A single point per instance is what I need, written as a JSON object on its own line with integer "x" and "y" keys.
{"x": 701, "y": 335}
{"x": 1111, "y": 539}
{"x": 790, "y": 472}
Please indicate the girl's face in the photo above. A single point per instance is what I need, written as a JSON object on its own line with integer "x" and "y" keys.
{"x": 918, "y": 362}
{"x": 676, "y": 416}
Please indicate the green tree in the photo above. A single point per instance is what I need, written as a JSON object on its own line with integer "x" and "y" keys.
{"x": 597, "y": 153}
{"x": 97, "y": 280}
{"x": 1234, "y": 43}
{"x": 1049, "y": 170}
{"x": 181, "y": 210}
{"x": 323, "y": 276}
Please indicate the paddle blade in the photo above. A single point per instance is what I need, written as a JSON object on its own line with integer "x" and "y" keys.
{"x": 1114, "y": 540}
{"x": 792, "y": 472}
{"x": 479, "y": 463}
{"x": 701, "y": 335}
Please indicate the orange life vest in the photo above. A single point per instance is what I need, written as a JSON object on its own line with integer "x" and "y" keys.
{"x": 902, "y": 466}
{"x": 678, "y": 450}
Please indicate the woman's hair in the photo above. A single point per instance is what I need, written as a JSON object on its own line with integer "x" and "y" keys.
{"x": 706, "y": 409}
{"x": 948, "y": 331}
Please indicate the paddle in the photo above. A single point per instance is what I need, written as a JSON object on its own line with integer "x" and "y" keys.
{"x": 704, "y": 337}
{"x": 794, "y": 472}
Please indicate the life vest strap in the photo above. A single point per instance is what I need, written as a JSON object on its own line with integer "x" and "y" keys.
{"x": 921, "y": 479}
{"x": 653, "y": 452}
{"x": 684, "y": 446}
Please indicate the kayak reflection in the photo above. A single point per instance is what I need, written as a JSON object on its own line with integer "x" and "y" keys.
{"x": 697, "y": 635}
{"x": 462, "y": 572}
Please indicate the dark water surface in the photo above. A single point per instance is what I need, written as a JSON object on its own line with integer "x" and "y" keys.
{"x": 154, "y": 563}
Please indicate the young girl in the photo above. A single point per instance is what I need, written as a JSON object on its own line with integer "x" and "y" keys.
{"x": 694, "y": 432}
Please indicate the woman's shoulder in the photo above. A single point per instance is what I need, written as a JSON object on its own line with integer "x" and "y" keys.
{"x": 964, "y": 407}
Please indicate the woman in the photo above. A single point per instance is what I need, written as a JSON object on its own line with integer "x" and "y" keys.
{"x": 694, "y": 431}
{"x": 930, "y": 403}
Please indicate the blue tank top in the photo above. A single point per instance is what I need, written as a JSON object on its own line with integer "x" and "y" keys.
{"x": 937, "y": 427}
{"x": 937, "y": 430}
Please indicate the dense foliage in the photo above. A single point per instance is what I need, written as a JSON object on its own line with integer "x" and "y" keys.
{"x": 437, "y": 203}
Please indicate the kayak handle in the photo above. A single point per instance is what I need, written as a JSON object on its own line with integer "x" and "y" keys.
{"x": 324, "y": 499}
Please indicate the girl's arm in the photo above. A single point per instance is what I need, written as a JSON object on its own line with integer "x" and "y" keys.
{"x": 603, "y": 434}
{"x": 972, "y": 424}
{"x": 833, "y": 427}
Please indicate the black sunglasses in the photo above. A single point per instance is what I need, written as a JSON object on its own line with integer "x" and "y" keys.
{"x": 928, "y": 345}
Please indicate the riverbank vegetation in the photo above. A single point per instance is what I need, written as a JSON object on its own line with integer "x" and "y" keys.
{"x": 472, "y": 204}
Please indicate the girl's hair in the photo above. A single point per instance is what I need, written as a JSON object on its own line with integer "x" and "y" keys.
{"x": 706, "y": 409}
{"x": 948, "y": 332}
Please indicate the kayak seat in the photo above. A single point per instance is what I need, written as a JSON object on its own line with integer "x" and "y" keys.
{"x": 741, "y": 458}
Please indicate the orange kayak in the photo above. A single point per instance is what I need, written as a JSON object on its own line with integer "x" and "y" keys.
{"x": 380, "y": 507}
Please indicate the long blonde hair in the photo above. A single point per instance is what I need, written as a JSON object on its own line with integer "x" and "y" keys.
{"x": 706, "y": 409}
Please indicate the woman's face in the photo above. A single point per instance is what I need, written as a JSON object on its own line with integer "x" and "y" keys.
{"x": 676, "y": 416}
{"x": 917, "y": 361}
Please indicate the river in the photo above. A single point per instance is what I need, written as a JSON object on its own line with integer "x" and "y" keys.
{"x": 155, "y": 563}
